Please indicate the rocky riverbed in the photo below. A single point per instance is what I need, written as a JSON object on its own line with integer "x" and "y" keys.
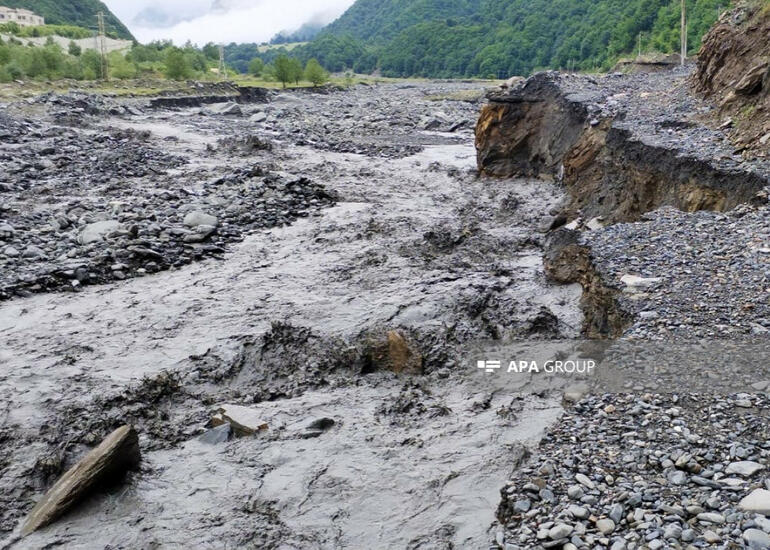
{"x": 331, "y": 265}
{"x": 291, "y": 255}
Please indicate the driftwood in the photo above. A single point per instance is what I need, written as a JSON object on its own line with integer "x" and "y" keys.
{"x": 106, "y": 463}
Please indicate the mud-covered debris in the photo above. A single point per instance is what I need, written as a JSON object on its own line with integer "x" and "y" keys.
{"x": 217, "y": 435}
{"x": 118, "y": 453}
{"x": 243, "y": 420}
{"x": 317, "y": 427}
{"x": 224, "y": 109}
{"x": 394, "y": 353}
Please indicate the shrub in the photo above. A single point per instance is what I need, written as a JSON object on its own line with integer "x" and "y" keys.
{"x": 316, "y": 74}
{"x": 177, "y": 65}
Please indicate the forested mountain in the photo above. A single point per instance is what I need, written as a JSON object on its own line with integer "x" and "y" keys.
{"x": 306, "y": 32}
{"x": 457, "y": 38}
{"x": 80, "y": 13}
{"x": 379, "y": 21}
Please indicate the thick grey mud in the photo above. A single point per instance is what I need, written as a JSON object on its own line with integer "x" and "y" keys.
{"x": 285, "y": 322}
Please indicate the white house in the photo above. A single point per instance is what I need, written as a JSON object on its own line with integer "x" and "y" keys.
{"x": 23, "y": 18}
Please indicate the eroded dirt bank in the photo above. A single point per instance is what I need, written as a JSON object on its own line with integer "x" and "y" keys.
{"x": 340, "y": 220}
{"x": 666, "y": 230}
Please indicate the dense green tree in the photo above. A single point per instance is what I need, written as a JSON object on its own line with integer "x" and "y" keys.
{"x": 500, "y": 38}
{"x": 315, "y": 74}
{"x": 79, "y": 13}
{"x": 256, "y": 66}
{"x": 74, "y": 50}
{"x": 297, "y": 71}
{"x": 282, "y": 68}
{"x": 91, "y": 64}
{"x": 177, "y": 65}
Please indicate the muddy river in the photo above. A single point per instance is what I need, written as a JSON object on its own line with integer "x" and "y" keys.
{"x": 415, "y": 242}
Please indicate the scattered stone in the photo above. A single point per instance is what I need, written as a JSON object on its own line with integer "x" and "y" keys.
{"x": 560, "y": 531}
{"x": 243, "y": 420}
{"x": 198, "y": 218}
{"x": 584, "y": 481}
{"x": 95, "y": 232}
{"x": 756, "y": 539}
{"x": 605, "y": 526}
{"x": 745, "y": 468}
{"x": 757, "y": 501}
{"x": 633, "y": 281}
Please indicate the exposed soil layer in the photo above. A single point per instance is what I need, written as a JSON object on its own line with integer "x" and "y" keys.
{"x": 622, "y": 145}
{"x": 734, "y": 72}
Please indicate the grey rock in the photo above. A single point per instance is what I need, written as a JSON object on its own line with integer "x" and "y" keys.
{"x": 198, "y": 218}
{"x": 677, "y": 477}
{"x": 95, "y": 232}
{"x": 560, "y": 531}
{"x": 616, "y": 513}
{"x": 584, "y": 481}
{"x": 11, "y": 252}
{"x": 605, "y": 526}
{"x": 522, "y": 506}
{"x": 757, "y": 501}
{"x": 575, "y": 492}
{"x": 756, "y": 539}
{"x": 744, "y": 468}
{"x": 578, "y": 512}
{"x": 216, "y": 435}
{"x": 711, "y": 517}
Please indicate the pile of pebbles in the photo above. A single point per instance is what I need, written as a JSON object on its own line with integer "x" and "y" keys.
{"x": 385, "y": 120}
{"x": 693, "y": 275}
{"x": 627, "y": 472}
{"x": 84, "y": 207}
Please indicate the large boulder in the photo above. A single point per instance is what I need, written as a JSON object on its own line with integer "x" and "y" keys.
{"x": 198, "y": 218}
{"x": 96, "y": 232}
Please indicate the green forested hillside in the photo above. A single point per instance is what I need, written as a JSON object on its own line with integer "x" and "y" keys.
{"x": 496, "y": 38}
{"x": 378, "y": 21}
{"x": 80, "y": 13}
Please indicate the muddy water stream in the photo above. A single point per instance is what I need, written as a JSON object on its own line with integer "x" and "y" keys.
{"x": 417, "y": 244}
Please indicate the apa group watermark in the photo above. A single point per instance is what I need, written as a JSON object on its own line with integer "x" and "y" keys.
{"x": 581, "y": 366}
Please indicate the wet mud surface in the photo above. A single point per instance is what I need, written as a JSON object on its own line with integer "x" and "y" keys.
{"x": 340, "y": 219}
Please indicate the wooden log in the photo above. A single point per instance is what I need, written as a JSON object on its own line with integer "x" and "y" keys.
{"x": 106, "y": 463}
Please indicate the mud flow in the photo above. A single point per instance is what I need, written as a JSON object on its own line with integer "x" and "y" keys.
{"x": 326, "y": 260}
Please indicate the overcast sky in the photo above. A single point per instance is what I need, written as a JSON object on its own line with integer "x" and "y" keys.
{"x": 221, "y": 20}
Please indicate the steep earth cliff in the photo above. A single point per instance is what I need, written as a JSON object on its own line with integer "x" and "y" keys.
{"x": 641, "y": 154}
{"x": 734, "y": 71}
{"x": 622, "y": 145}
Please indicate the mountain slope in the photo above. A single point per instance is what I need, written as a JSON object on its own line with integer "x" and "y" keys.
{"x": 81, "y": 13}
{"x": 497, "y": 38}
{"x": 378, "y": 21}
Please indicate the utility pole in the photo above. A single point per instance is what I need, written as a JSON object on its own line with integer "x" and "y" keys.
{"x": 102, "y": 44}
{"x": 639, "y": 55}
{"x": 683, "y": 32}
{"x": 222, "y": 65}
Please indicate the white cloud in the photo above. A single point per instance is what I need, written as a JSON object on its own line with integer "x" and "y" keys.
{"x": 221, "y": 20}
